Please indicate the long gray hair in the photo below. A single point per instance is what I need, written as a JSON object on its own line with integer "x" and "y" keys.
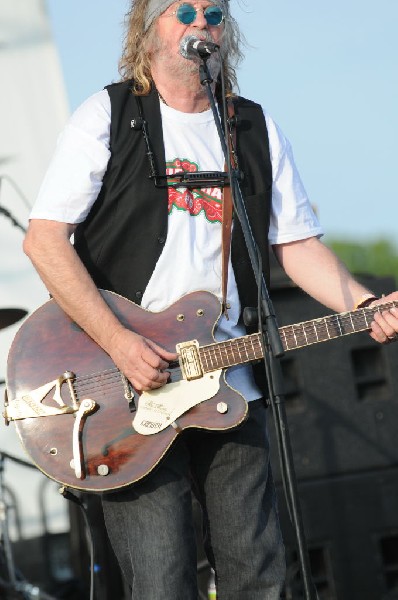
{"x": 135, "y": 60}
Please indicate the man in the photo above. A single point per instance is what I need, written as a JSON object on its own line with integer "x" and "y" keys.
{"x": 155, "y": 244}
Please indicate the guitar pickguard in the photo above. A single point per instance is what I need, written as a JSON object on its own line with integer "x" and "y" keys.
{"x": 160, "y": 408}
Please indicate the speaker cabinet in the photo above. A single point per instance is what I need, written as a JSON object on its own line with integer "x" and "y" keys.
{"x": 341, "y": 395}
{"x": 351, "y": 527}
{"x": 341, "y": 400}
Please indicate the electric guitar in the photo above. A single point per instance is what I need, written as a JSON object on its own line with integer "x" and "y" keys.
{"x": 80, "y": 421}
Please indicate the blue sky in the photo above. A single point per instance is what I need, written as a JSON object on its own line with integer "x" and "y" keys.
{"x": 327, "y": 73}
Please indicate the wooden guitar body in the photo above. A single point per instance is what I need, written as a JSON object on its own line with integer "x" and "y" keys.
{"x": 72, "y": 407}
{"x": 113, "y": 455}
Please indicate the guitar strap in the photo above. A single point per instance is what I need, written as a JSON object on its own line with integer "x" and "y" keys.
{"x": 227, "y": 207}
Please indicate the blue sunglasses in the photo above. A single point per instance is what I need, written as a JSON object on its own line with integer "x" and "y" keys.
{"x": 187, "y": 13}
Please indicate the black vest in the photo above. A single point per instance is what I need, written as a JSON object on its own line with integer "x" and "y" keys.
{"x": 123, "y": 236}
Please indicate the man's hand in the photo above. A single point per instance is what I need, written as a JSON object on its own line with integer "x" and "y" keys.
{"x": 143, "y": 362}
{"x": 385, "y": 324}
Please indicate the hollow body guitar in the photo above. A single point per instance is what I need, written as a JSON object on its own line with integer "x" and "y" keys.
{"x": 77, "y": 416}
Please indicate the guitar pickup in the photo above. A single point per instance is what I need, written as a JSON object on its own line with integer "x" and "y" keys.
{"x": 189, "y": 359}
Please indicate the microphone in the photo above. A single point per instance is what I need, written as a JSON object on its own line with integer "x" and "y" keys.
{"x": 191, "y": 47}
{"x": 137, "y": 123}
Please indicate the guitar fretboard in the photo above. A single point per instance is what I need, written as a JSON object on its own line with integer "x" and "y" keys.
{"x": 248, "y": 348}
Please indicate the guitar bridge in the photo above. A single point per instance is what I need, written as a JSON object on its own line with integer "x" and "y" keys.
{"x": 189, "y": 359}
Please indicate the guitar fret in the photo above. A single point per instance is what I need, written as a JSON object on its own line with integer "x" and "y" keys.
{"x": 238, "y": 350}
{"x": 290, "y": 337}
{"x": 324, "y": 329}
{"x": 230, "y": 352}
{"x": 368, "y": 318}
{"x": 204, "y": 356}
{"x": 249, "y": 347}
{"x": 333, "y": 332}
{"x": 204, "y": 359}
{"x": 218, "y": 355}
{"x": 313, "y": 334}
{"x": 337, "y": 320}
{"x": 348, "y": 324}
{"x": 317, "y": 331}
{"x": 256, "y": 344}
{"x": 301, "y": 335}
{"x": 246, "y": 352}
{"x": 235, "y": 354}
{"x": 327, "y": 328}
{"x": 283, "y": 338}
{"x": 260, "y": 350}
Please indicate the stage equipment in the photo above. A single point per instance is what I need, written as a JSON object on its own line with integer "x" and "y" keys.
{"x": 9, "y": 316}
{"x": 342, "y": 408}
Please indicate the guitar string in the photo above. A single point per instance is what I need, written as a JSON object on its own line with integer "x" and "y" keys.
{"x": 96, "y": 384}
{"x": 114, "y": 371}
{"x": 323, "y": 322}
{"x": 328, "y": 327}
{"x": 250, "y": 345}
{"x": 234, "y": 349}
{"x": 101, "y": 380}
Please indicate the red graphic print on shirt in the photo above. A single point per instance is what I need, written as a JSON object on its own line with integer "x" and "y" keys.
{"x": 208, "y": 200}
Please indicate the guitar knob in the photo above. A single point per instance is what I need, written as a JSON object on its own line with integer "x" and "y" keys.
{"x": 103, "y": 470}
{"x": 222, "y": 408}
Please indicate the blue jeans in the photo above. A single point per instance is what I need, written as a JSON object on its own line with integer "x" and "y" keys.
{"x": 151, "y": 528}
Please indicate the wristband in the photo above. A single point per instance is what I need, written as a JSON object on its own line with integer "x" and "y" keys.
{"x": 365, "y": 300}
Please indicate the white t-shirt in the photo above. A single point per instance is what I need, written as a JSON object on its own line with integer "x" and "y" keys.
{"x": 191, "y": 258}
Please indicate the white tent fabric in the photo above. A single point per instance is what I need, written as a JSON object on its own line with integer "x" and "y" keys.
{"x": 33, "y": 109}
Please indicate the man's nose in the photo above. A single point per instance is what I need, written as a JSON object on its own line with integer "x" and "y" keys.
{"x": 200, "y": 21}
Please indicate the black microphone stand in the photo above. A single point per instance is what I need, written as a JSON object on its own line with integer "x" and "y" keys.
{"x": 13, "y": 220}
{"x": 16, "y": 584}
{"x": 272, "y": 349}
{"x": 4, "y": 211}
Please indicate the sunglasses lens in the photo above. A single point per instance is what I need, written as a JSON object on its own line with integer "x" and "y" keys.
{"x": 186, "y": 14}
{"x": 213, "y": 15}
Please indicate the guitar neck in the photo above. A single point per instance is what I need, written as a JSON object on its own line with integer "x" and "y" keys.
{"x": 248, "y": 348}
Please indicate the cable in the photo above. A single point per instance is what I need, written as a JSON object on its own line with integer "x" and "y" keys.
{"x": 17, "y": 189}
{"x": 73, "y": 498}
{"x": 19, "y": 461}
